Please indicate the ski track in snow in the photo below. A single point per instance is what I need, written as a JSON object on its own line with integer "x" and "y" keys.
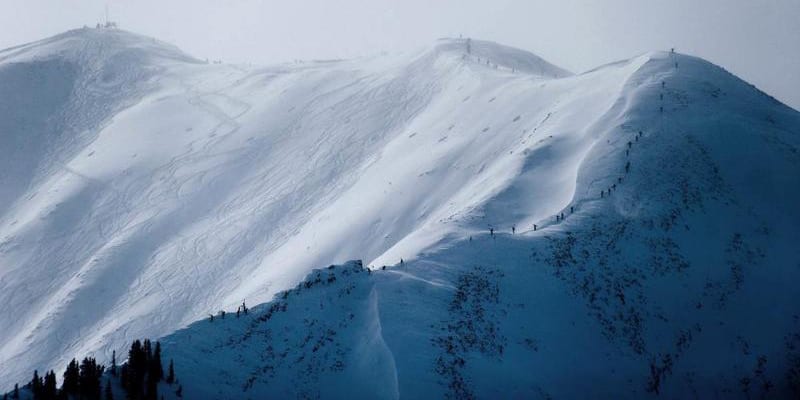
{"x": 587, "y": 305}
{"x": 161, "y": 189}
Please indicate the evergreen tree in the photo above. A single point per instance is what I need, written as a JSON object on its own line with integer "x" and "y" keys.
{"x": 124, "y": 377}
{"x": 109, "y": 395}
{"x": 171, "y": 373}
{"x": 155, "y": 372}
{"x": 114, "y": 363}
{"x": 90, "y": 375}
{"x": 156, "y": 369}
{"x": 137, "y": 369}
{"x": 148, "y": 349}
{"x": 71, "y": 379}
{"x": 49, "y": 390}
{"x": 15, "y": 394}
{"x": 36, "y": 385}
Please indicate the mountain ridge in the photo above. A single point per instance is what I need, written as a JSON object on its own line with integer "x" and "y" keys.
{"x": 71, "y": 43}
{"x": 676, "y": 283}
{"x": 235, "y": 178}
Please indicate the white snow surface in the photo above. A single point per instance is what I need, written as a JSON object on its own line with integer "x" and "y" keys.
{"x": 680, "y": 283}
{"x": 141, "y": 189}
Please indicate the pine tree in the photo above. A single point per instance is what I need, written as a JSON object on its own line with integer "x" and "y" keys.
{"x": 15, "y": 394}
{"x": 49, "y": 390}
{"x": 156, "y": 369}
{"x": 124, "y": 376}
{"x": 109, "y": 395}
{"x": 114, "y": 363}
{"x": 89, "y": 383}
{"x": 36, "y": 385}
{"x": 148, "y": 349}
{"x": 137, "y": 366}
{"x": 171, "y": 373}
{"x": 71, "y": 379}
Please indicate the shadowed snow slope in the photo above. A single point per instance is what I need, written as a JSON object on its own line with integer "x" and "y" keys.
{"x": 680, "y": 283}
{"x": 141, "y": 190}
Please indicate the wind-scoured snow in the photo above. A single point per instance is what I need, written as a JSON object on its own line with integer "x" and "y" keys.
{"x": 680, "y": 283}
{"x": 147, "y": 190}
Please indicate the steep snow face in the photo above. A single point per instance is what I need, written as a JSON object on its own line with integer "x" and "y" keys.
{"x": 147, "y": 190}
{"x": 142, "y": 189}
{"x": 679, "y": 282}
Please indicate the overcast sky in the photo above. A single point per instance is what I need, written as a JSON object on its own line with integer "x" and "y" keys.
{"x": 759, "y": 40}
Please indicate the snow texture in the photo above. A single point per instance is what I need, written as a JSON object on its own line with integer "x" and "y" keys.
{"x": 142, "y": 190}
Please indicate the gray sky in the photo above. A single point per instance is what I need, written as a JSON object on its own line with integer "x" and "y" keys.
{"x": 759, "y": 40}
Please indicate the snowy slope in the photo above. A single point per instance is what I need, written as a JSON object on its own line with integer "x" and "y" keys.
{"x": 146, "y": 189}
{"x": 168, "y": 188}
{"x": 679, "y": 284}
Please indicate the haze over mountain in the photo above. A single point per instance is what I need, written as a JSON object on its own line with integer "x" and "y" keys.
{"x": 142, "y": 189}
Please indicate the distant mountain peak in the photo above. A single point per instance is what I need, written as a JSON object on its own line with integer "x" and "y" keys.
{"x": 96, "y": 44}
{"x": 495, "y": 55}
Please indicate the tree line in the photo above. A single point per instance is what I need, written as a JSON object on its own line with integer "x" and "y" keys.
{"x": 137, "y": 379}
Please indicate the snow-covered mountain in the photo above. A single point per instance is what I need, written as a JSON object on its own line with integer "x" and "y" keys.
{"x": 142, "y": 190}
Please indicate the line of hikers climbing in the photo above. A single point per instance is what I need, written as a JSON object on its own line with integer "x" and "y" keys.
{"x": 491, "y": 231}
{"x": 242, "y": 309}
{"x": 605, "y": 192}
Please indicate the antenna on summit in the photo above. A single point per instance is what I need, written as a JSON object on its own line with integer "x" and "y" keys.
{"x": 108, "y": 23}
